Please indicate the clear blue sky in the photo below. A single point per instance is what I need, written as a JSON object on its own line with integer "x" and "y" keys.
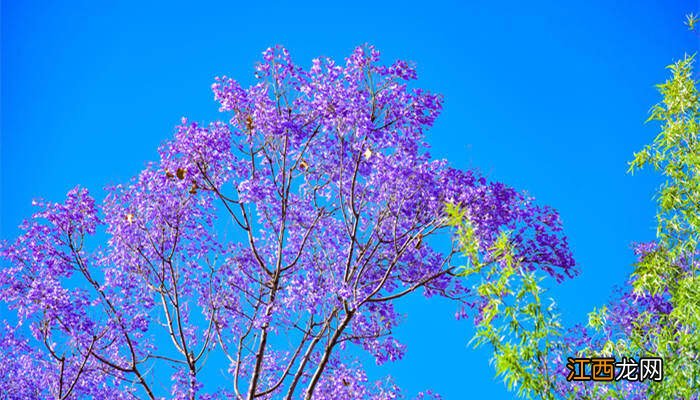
{"x": 549, "y": 97}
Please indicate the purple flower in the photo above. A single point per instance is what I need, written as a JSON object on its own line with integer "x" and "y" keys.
{"x": 271, "y": 240}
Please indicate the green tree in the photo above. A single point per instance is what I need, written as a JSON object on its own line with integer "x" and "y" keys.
{"x": 672, "y": 269}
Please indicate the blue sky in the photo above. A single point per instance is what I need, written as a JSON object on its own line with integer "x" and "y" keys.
{"x": 549, "y": 97}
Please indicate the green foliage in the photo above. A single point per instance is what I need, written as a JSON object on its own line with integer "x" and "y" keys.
{"x": 513, "y": 320}
{"x": 675, "y": 153}
{"x": 670, "y": 271}
{"x": 597, "y": 318}
{"x": 673, "y": 268}
{"x": 690, "y": 21}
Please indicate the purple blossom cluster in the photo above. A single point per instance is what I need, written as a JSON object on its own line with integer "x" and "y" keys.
{"x": 277, "y": 238}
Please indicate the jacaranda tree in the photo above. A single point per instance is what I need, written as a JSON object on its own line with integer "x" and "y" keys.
{"x": 276, "y": 240}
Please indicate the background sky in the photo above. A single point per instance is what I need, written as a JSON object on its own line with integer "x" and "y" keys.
{"x": 548, "y": 97}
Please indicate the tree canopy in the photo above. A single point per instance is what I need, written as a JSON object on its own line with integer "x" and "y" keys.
{"x": 276, "y": 240}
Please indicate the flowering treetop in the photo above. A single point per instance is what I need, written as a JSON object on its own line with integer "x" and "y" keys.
{"x": 277, "y": 238}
